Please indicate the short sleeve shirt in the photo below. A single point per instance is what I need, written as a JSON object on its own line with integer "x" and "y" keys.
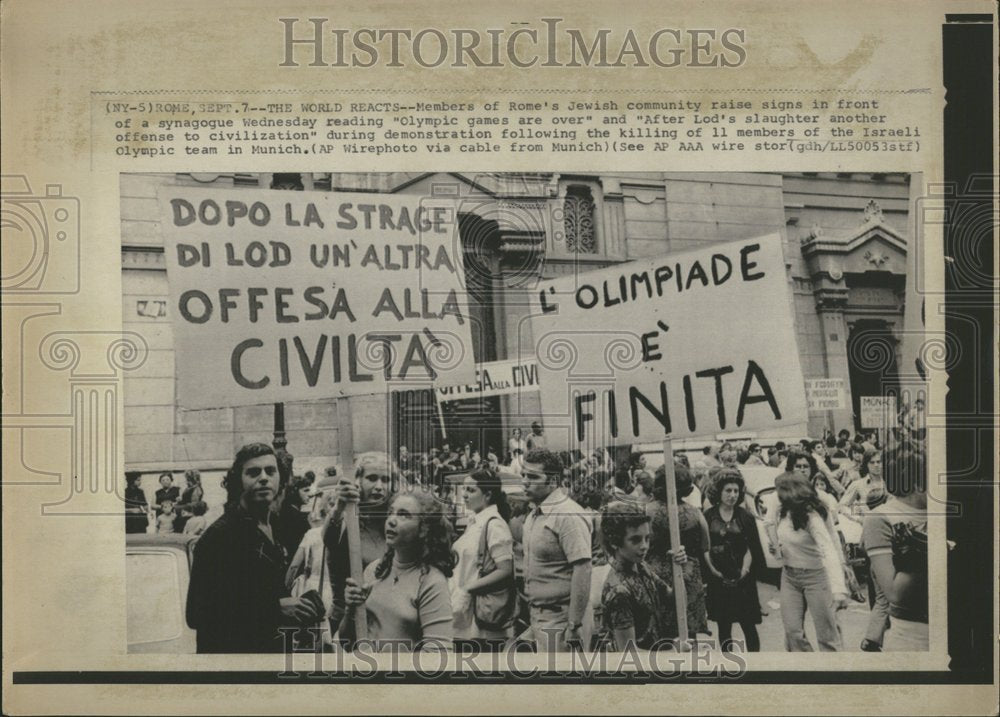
{"x": 411, "y": 604}
{"x": 634, "y": 597}
{"x": 556, "y": 535}
{"x": 894, "y": 528}
{"x": 498, "y": 542}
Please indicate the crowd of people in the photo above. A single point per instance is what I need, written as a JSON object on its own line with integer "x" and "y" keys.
{"x": 582, "y": 558}
{"x": 172, "y": 511}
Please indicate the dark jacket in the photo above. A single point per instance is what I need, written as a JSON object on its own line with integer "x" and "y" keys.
{"x": 237, "y": 580}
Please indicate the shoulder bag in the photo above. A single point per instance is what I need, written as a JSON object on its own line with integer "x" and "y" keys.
{"x": 493, "y": 610}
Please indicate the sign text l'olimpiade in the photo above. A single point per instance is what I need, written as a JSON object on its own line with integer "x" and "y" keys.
{"x": 284, "y": 296}
{"x": 686, "y": 344}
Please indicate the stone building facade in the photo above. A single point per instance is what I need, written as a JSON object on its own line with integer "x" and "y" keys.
{"x": 845, "y": 238}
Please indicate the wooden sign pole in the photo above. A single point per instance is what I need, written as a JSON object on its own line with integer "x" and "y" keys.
{"x": 345, "y": 435}
{"x": 680, "y": 593}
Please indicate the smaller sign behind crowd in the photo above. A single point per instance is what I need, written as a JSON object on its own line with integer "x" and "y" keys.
{"x": 825, "y": 394}
{"x": 496, "y": 378}
{"x": 286, "y": 296}
{"x": 878, "y": 412}
{"x": 671, "y": 345}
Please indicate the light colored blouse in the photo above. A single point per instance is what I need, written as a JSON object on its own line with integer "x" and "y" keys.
{"x": 817, "y": 546}
{"x": 411, "y": 603}
{"x": 500, "y": 545}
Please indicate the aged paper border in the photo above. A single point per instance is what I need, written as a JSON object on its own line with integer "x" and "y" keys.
{"x": 58, "y": 55}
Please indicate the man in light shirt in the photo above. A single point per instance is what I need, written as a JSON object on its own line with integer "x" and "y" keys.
{"x": 557, "y": 558}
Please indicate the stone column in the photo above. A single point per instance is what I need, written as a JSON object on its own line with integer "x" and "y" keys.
{"x": 831, "y": 300}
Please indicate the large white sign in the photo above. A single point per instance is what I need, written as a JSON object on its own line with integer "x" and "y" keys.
{"x": 825, "y": 394}
{"x": 685, "y": 344}
{"x": 496, "y": 378}
{"x": 878, "y": 412}
{"x": 283, "y": 296}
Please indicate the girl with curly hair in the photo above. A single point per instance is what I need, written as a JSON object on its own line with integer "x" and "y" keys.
{"x": 406, "y": 594}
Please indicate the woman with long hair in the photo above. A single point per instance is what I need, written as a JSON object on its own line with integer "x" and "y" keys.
{"x": 824, "y": 491}
{"x": 813, "y": 572}
{"x": 695, "y": 541}
{"x": 797, "y": 463}
{"x": 867, "y": 493}
{"x": 405, "y": 594}
{"x": 485, "y": 561}
{"x": 733, "y": 560}
{"x": 237, "y": 599}
{"x": 850, "y": 470}
{"x": 371, "y": 488}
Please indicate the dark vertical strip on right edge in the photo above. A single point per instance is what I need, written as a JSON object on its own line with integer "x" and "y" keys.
{"x": 970, "y": 275}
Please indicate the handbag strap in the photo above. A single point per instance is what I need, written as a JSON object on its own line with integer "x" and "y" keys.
{"x": 481, "y": 555}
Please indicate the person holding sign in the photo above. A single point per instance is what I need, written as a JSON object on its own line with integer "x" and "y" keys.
{"x": 237, "y": 599}
{"x": 694, "y": 540}
{"x": 405, "y": 593}
{"x": 634, "y": 598}
{"x": 813, "y": 572}
{"x": 557, "y": 558}
{"x": 374, "y": 475}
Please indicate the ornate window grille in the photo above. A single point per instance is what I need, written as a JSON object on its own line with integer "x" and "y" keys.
{"x": 578, "y": 220}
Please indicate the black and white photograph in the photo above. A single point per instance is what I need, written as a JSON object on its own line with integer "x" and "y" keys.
{"x": 430, "y": 411}
{"x": 499, "y": 358}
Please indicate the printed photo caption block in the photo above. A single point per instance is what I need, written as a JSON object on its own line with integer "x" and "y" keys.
{"x": 692, "y": 343}
{"x": 287, "y": 296}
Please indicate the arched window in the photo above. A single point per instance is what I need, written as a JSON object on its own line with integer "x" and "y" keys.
{"x": 579, "y": 221}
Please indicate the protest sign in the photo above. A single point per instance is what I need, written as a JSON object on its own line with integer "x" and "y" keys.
{"x": 496, "y": 378}
{"x": 878, "y": 412}
{"x": 300, "y": 295}
{"x": 825, "y": 394}
{"x": 670, "y": 345}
